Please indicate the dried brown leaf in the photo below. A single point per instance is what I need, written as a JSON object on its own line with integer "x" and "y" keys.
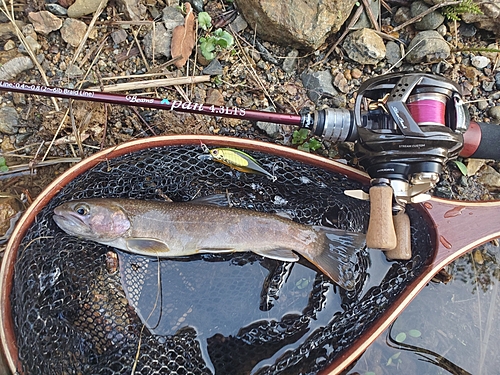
{"x": 184, "y": 38}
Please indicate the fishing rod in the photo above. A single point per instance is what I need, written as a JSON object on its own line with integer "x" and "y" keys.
{"x": 405, "y": 126}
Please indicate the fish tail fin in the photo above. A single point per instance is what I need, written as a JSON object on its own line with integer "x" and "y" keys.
{"x": 337, "y": 257}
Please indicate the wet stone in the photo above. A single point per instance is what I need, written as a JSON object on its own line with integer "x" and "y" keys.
{"x": 318, "y": 84}
{"x": 214, "y": 68}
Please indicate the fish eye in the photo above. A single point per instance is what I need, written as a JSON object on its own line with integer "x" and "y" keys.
{"x": 215, "y": 152}
{"x": 82, "y": 209}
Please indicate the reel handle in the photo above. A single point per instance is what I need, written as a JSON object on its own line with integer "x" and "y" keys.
{"x": 402, "y": 251}
{"x": 381, "y": 233}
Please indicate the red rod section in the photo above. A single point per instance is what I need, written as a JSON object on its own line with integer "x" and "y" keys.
{"x": 141, "y": 101}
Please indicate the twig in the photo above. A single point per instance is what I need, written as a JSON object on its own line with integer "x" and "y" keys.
{"x": 424, "y": 13}
{"x": 151, "y": 84}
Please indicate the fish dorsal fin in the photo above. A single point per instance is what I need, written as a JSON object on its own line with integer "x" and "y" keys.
{"x": 279, "y": 254}
{"x": 221, "y": 200}
{"x": 147, "y": 246}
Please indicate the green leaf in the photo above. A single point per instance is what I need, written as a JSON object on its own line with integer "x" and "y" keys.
{"x": 4, "y": 168}
{"x": 304, "y": 147}
{"x": 2, "y": 160}
{"x": 299, "y": 136}
{"x": 314, "y": 144}
{"x": 401, "y": 337}
{"x": 204, "y": 20}
{"x": 461, "y": 166}
{"x": 207, "y": 47}
{"x": 414, "y": 333}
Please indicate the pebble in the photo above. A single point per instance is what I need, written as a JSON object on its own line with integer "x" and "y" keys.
{"x": 494, "y": 112}
{"x": 8, "y": 120}
{"x": 480, "y": 62}
{"x": 56, "y": 9}
{"x": 489, "y": 177}
{"x": 365, "y": 46}
{"x": 83, "y": 7}
{"x": 318, "y": 84}
{"x": 488, "y": 85}
{"x": 214, "y": 68}
{"x": 132, "y": 10}
{"x": 32, "y": 43}
{"x": 44, "y": 22}
{"x": 402, "y": 15}
{"x": 340, "y": 82}
{"x": 214, "y": 97}
{"x": 161, "y": 40}
{"x": 10, "y": 44}
{"x": 356, "y": 73}
{"x": 482, "y": 104}
{"x": 393, "y": 53}
{"x": 119, "y": 36}
{"x": 290, "y": 61}
{"x": 270, "y": 128}
{"x": 239, "y": 24}
{"x": 73, "y": 31}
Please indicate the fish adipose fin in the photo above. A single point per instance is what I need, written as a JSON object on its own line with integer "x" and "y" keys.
{"x": 147, "y": 246}
{"x": 338, "y": 260}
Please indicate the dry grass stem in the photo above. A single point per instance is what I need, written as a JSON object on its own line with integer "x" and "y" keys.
{"x": 151, "y": 84}
{"x": 10, "y": 16}
{"x": 97, "y": 13}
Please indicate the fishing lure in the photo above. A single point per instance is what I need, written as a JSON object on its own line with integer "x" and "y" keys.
{"x": 236, "y": 159}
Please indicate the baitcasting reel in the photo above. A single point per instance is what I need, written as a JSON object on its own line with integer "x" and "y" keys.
{"x": 406, "y": 127}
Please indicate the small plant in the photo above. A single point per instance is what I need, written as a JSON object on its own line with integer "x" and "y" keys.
{"x": 303, "y": 142}
{"x": 453, "y": 12}
{"x": 3, "y": 166}
{"x": 212, "y": 41}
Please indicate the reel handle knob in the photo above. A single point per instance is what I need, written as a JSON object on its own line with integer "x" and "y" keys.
{"x": 381, "y": 233}
{"x": 402, "y": 251}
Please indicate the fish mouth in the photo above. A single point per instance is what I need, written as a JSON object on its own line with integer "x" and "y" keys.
{"x": 69, "y": 223}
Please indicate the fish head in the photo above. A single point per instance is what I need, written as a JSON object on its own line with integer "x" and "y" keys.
{"x": 99, "y": 220}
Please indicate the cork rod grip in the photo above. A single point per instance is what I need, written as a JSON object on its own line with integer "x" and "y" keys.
{"x": 402, "y": 251}
{"x": 381, "y": 233}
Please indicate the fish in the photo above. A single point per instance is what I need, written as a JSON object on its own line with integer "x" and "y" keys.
{"x": 238, "y": 160}
{"x": 178, "y": 229}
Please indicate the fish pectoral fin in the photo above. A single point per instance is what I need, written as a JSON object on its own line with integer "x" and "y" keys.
{"x": 147, "y": 246}
{"x": 279, "y": 254}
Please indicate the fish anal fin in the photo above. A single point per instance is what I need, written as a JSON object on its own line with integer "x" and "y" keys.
{"x": 147, "y": 246}
{"x": 279, "y": 254}
{"x": 338, "y": 259}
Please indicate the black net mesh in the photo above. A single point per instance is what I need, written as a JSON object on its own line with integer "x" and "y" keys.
{"x": 83, "y": 308}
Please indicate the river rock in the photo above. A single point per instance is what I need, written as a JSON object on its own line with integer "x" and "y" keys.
{"x": 83, "y": 7}
{"x": 296, "y": 23}
{"x": 365, "y": 46}
{"x": 430, "y": 21}
{"x": 73, "y": 31}
{"x": 489, "y": 19}
{"x": 427, "y": 46}
{"x": 290, "y": 61}
{"x": 8, "y": 120}
{"x": 56, "y": 9}
{"x": 44, "y": 22}
{"x": 494, "y": 112}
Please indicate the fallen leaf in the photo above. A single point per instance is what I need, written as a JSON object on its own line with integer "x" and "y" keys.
{"x": 184, "y": 38}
